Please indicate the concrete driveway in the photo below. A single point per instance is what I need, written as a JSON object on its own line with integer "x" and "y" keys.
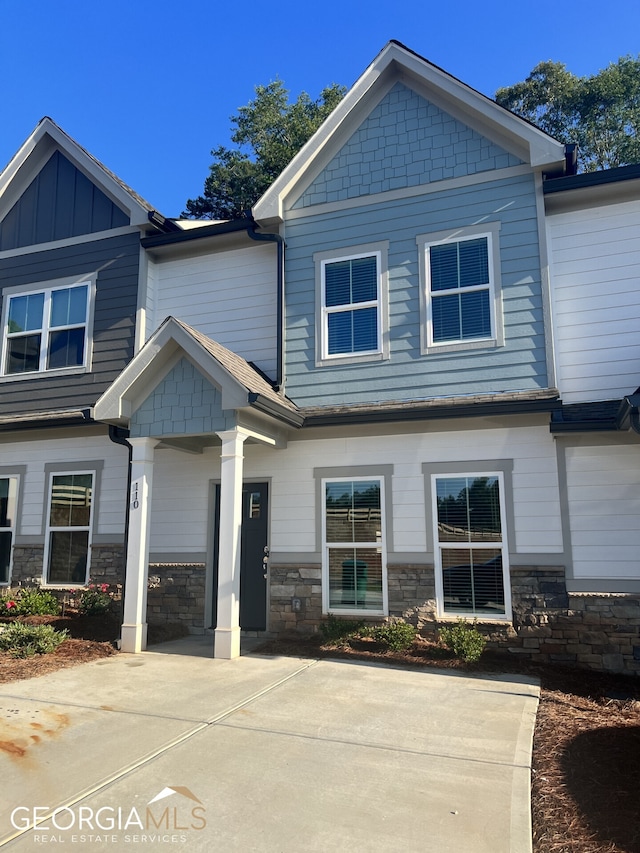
{"x": 177, "y": 751}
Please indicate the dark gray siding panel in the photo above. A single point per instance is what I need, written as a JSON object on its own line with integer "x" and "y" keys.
{"x": 59, "y": 203}
{"x": 115, "y": 261}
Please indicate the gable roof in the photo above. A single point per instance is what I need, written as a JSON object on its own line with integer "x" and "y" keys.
{"x": 241, "y": 385}
{"x": 397, "y": 63}
{"x": 47, "y": 138}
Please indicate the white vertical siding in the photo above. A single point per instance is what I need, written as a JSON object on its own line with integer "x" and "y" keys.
{"x": 230, "y": 296}
{"x": 596, "y": 301}
{"x": 604, "y": 505}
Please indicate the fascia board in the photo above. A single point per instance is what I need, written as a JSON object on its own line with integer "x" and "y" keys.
{"x": 269, "y": 207}
{"x": 47, "y": 129}
{"x": 542, "y": 149}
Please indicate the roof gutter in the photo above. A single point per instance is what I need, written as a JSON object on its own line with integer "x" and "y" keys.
{"x": 421, "y": 413}
{"x": 262, "y": 404}
{"x": 279, "y": 240}
{"x": 629, "y": 413}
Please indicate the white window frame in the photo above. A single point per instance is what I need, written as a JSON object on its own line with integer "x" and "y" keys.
{"x": 49, "y": 529}
{"x": 465, "y": 546}
{"x": 11, "y": 528}
{"x": 47, "y": 288}
{"x": 380, "y": 545}
{"x": 322, "y": 260}
{"x": 490, "y": 231}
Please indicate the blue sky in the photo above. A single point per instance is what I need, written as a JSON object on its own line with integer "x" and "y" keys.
{"x": 148, "y": 88}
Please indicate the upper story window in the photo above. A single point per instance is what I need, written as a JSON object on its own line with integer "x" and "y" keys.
{"x": 46, "y": 329}
{"x": 461, "y": 289}
{"x": 352, "y": 314}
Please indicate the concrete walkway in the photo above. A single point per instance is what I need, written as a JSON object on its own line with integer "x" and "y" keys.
{"x": 174, "y": 751}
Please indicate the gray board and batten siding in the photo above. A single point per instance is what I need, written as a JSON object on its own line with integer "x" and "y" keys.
{"x": 408, "y": 374}
{"x": 114, "y": 261}
{"x": 58, "y": 204}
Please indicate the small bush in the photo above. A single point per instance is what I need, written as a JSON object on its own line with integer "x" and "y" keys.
{"x": 30, "y": 602}
{"x": 339, "y": 631}
{"x": 94, "y": 599}
{"x": 23, "y": 641}
{"x": 397, "y": 636}
{"x": 464, "y": 640}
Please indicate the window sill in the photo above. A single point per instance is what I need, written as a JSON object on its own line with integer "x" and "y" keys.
{"x": 354, "y": 358}
{"x": 374, "y": 614}
{"x": 44, "y": 374}
{"x": 461, "y": 346}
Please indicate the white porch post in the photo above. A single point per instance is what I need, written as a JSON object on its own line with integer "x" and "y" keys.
{"x": 227, "y": 633}
{"x": 134, "y": 627}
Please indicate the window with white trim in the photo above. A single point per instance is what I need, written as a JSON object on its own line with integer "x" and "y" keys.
{"x": 354, "y": 555}
{"x": 46, "y": 329}
{"x": 8, "y": 511}
{"x": 471, "y": 554}
{"x": 68, "y": 532}
{"x": 461, "y": 291}
{"x": 351, "y": 304}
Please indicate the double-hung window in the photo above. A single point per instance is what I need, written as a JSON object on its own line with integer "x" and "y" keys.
{"x": 8, "y": 510}
{"x": 46, "y": 329}
{"x": 68, "y": 536}
{"x": 470, "y": 545}
{"x": 352, "y": 304}
{"x": 354, "y": 563}
{"x": 461, "y": 289}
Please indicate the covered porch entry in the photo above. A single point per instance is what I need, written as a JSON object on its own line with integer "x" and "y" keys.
{"x": 186, "y": 392}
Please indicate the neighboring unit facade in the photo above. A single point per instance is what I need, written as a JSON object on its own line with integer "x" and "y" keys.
{"x": 377, "y": 397}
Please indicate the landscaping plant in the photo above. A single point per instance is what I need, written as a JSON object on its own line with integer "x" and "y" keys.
{"x": 464, "y": 640}
{"x": 23, "y": 641}
{"x": 94, "y": 599}
{"x": 397, "y": 636}
{"x": 30, "y": 601}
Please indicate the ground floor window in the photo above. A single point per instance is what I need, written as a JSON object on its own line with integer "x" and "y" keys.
{"x": 69, "y": 528}
{"x": 354, "y": 564}
{"x": 471, "y": 553}
{"x": 8, "y": 507}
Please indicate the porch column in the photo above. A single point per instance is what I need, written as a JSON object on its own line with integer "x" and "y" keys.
{"x": 134, "y": 627}
{"x": 227, "y": 633}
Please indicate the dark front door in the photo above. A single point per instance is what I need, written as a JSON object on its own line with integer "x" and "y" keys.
{"x": 253, "y": 583}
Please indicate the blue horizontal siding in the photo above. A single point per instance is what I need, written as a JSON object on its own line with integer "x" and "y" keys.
{"x": 519, "y": 365}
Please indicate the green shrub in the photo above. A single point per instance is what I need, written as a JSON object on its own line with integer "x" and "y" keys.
{"x": 339, "y": 631}
{"x": 94, "y": 599}
{"x": 397, "y": 636}
{"x": 31, "y": 601}
{"x": 464, "y": 640}
{"x": 23, "y": 641}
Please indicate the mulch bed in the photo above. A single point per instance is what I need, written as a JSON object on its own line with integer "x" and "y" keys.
{"x": 586, "y": 754}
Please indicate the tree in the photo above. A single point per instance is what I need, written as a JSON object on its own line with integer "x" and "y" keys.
{"x": 269, "y": 132}
{"x": 601, "y": 112}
